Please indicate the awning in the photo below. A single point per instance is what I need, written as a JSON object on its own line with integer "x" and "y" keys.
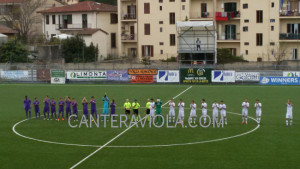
{"x": 3, "y": 36}
{"x": 63, "y": 36}
{"x": 200, "y": 24}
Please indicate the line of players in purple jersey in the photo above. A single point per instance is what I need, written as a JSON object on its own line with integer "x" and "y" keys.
{"x": 65, "y": 104}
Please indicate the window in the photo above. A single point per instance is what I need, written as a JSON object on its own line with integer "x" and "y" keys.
{"x": 67, "y": 19}
{"x": 84, "y": 21}
{"x": 259, "y": 39}
{"x": 230, "y": 7}
{"x": 245, "y": 6}
{"x": 272, "y": 43}
{"x": 147, "y": 29}
{"x": 183, "y": 7}
{"x": 147, "y": 50}
{"x": 230, "y": 32}
{"x": 161, "y": 43}
{"x": 172, "y": 0}
{"x": 272, "y": 20}
{"x": 246, "y": 52}
{"x": 172, "y": 40}
{"x": 246, "y": 43}
{"x": 259, "y": 16}
{"x": 161, "y": 52}
{"x": 272, "y": 5}
{"x": 113, "y": 40}
{"x": 113, "y": 18}
{"x": 246, "y": 20}
{"x": 161, "y": 22}
{"x": 172, "y": 18}
{"x": 146, "y": 8}
{"x": 161, "y": 29}
{"x": 245, "y": 28}
{"x": 294, "y": 54}
{"x": 160, "y": 1}
{"x": 293, "y": 28}
{"x": 53, "y": 19}
{"x": 47, "y": 19}
{"x": 182, "y": 0}
{"x": 272, "y": 28}
{"x": 160, "y": 8}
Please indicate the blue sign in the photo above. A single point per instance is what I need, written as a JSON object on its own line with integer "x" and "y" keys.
{"x": 167, "y": 76}
{"x": 117, "y": 75}
{"x": 279, "y": 81}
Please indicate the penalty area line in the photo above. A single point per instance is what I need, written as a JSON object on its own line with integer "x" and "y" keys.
{"x": 87, "y": 157}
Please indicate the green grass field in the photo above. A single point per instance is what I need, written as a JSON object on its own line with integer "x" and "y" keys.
{"x": 272, "y": 145}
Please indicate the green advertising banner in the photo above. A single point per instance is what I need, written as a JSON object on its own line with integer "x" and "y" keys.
{"x": 57, "y": 73}
{"x": 58, "y": 77}
{"x": 195, "y": 75}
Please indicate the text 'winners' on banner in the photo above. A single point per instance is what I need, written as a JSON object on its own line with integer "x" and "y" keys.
{"x": 92, "y": 75}
{"x": 58, "y": 77}
{"x": 167, "y": 76}
{"x": 195, "y": 75}
{"x": 279, "y": 81}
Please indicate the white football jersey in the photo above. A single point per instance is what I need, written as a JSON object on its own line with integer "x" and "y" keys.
{"x": 193, "y": 106}
{"x": 172, "y": 106}
{"x": 222, "y": 107}
{"x": 215, "y": 106}
{"x": 258, "y": 106}
{"x": 204, "y": 106}
{"x": 245, "y": 105}
{"x": 181, "y": 106}
{"x": 152, "y": 106}
{"x": 289, "y": 108}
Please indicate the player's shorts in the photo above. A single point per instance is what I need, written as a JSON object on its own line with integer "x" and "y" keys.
{"x": 171, "y": 113}
{"x": 148, "y": 111}
{"x": 152, "y": 113}
{"x": 193, "y": 113}
{"x": 223, "y": 113}
{"x": 289, "y": 115}
{"x": 127, "y": 111}
{"x": 204, "y": 113}
{"x": 258, "y": 113}
{"x": 181, "y": 113}
{"x": 244, "y": 112}
{"x": 135, "y": 111}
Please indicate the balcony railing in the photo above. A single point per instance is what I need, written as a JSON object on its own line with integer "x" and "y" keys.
{"x": 73, "y": 26}
{"x": 200, "y": 15}
{"x": 128, "y": 37}
{"x": 289, "y": 36}
{"x": 225, "y": 16}
{"x": 128, "y": 16}
{"x": 294, "y": 12}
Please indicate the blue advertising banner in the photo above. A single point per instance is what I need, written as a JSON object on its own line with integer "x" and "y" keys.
{"x": 117, "y": 75}
{"x": 279, "y": 81}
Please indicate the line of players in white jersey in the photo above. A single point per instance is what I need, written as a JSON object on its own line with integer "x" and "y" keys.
{"x": 222, "y": 108}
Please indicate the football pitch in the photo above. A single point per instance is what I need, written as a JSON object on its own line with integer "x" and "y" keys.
{"x": 44, "y": 144}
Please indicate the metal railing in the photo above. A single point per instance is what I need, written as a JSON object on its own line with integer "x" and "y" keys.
{"x": 128, "y": 37}
{"x": 289, "y": 36}
{"x": 128, "y": 16}
{"x": 73, "y": 26}
{"x": 287, "y": 13}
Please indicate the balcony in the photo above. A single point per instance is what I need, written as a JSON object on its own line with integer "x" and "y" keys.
{"x": 233, "y": 38}
{"x": 226, "y": 16}
{"x": 128, "y": 37}
{"x": 289, "y": 36}
{"x": 289, "y": 14}
{"x": 128, "y": 17}
{"x": 72, "y": 26}
{"x": 201, "y": 16}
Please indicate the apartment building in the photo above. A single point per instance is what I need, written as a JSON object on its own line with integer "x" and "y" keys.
{"x": 257, "y": 30}
{"x": 96, "y": 23}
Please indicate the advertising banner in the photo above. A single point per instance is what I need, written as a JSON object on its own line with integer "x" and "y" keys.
{"x": 167, "y": 76}
{"x": 291, "y": 74}
{"x": 247, "y": 76}
{"x": 43, "y": 74}
{"x": 195, "y": 75}
{"x": 15, "y": 75}
{"x": 117, "y": 75}
{"x": 279, "y": 81}
{"x": 142, "y": 71}
{"x": 58, "y": 77}
{"x": 142, "y": 79}
{"x": 89, "y": 74}
{"x": 223, "y": 76}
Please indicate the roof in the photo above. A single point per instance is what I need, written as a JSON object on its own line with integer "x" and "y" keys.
{"x": 90, "y": 31}
{"x": 10, "y": 1}
{"x": 6, "y": 30}
{"x": 85, "y": 6}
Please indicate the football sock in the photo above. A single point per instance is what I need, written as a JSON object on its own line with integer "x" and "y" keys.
{"x": 291, "y": 121}
{"x": 287, "y": 122}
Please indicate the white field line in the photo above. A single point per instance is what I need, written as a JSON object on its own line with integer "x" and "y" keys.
{"x": 87, "y": 157}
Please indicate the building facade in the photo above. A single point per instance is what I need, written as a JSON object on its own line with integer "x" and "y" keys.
{"x": 257, "y": 30}
{"x": 96, "y": 23}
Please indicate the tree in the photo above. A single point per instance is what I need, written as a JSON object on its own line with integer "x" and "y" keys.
{"x": 23, "y": 16}
{"x": 225, "y": 56}
{"x": 75, "y": 50}
{"x": 13, "y": 51}
{"x": 278, "y": 52}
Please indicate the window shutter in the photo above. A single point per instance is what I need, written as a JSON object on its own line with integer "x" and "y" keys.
{"x": 143, "y": 50}
{"x": 151, "y": 51}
